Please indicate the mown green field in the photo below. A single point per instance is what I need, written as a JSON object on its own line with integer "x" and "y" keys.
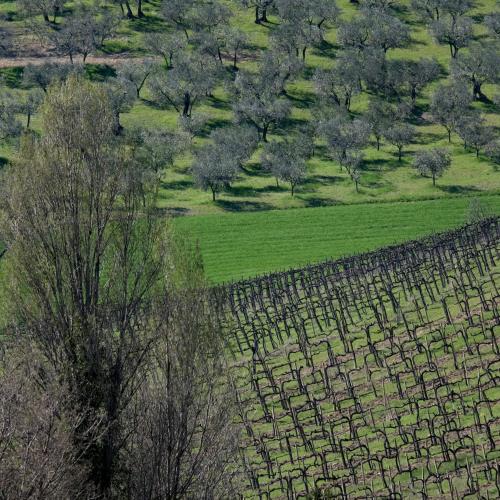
{"x": 242, "y": 245}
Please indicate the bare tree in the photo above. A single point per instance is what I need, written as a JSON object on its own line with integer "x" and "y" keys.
{"x": 38, "y": 458}
{"x": 186, "y": 441}
{"x": 81, "y": 270}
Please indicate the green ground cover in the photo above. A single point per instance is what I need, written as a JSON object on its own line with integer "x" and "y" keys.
{"x": 242, "y": 245}
{"x": 383, "y": 177}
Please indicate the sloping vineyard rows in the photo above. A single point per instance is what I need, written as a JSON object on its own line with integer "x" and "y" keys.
{"x": 373, "y": 376}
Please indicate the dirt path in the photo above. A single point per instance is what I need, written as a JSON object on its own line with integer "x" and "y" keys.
{"x": 113, "y": 60}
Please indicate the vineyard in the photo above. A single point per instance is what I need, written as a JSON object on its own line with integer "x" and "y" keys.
{"x": 373, "y": 376}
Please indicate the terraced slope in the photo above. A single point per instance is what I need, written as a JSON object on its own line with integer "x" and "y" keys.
{"x": 374, "y": 376}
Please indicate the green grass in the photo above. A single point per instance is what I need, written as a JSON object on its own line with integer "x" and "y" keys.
{"x": 242, "y": 245}
{"x": 383, "y": 178}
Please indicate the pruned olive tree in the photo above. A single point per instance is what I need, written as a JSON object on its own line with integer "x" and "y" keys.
{"x": 286, "y": 160}
{"x": 449, "y": 103}
{"x": 400, "y": 135}
{"x": 345, "y": 138}
{"x": 258, "y": 101}
{"x": 190, "y": 80}
{"x": 480, "y": 65}
{"x": 432, "y": 162}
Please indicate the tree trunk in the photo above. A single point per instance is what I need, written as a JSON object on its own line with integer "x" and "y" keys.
{"x": 140, "y": 13}
{"x": 449, "y": 135}
{"x": 304, "y": 50}
{"x": 400, "y": 153}
{"x": 130, "y": 14}
{"x": 265, "y": 129}
{"x": 263, "y": 18}
{"x": 235, "y": 60}
{"x": 46, "y": 17}
{"x": 28, "y": 122}
{"x": 257, "y": 18}
{"x": 187, "y": 104}
{"x": 378, "y": 142}
{"x": 434, "y": 180}
{"x": 293, "y": 187}
{"x": 213, "y": 194}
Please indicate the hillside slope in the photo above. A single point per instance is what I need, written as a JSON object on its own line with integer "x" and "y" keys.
{"x": 373, "y": 376}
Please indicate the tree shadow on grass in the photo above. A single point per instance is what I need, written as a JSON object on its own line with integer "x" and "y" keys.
{"x": 12, "y": 77}
{"x": 213, "y": 124}
{"x": 148, "y": 24}
{"x": 454, "y": 189}
{"x": 177, "y": 185}
{"x": 171, "y": 211}
{"x": 379, "y": 165}
{"x": 242, "y": 206}
{"x": 302, "y": 99}
{"x": 319, "y": 202}
{"x": 99, "y": 72}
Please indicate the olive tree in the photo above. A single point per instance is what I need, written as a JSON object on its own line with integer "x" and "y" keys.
{"x": 345, "y": 138}
{"x": 190, "y": 80}
{"x": 214, "y": 168}
{"x": 10, "y": 126}
{"x": 166, "y": 45}
{"x": 492, "y": 21}
{"x": 85, "y": 31}
{"x": 379, "y": 116}
{"x": 42, "y": 75}
{"x": 432, "y": 162}
{"x": 340, "y": 84}
{"x": 286, "y": 160}
{"x": 44, "y": 8}
{"x": 218, "y": 163}
{"x": 400, "y": 135}
{"x": 136, "y": 73}
{"x": 449, "y": 103}
{"x": 30, "y": 104}
{"x": 473, "y": 131}
{"x": 261, "y": 8}
{"x": 481, "y": 64}
{"x": 121, "y": 96}
{"x": 374, "y": 28}
{"x": 258, "y": 102}
{"x": 417, "y": 74}
{"x": 457, "y": 33}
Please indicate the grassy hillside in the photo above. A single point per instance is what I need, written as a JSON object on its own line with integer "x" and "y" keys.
{"x": 383, "y": 178}
{"x": 242, "y": 245}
